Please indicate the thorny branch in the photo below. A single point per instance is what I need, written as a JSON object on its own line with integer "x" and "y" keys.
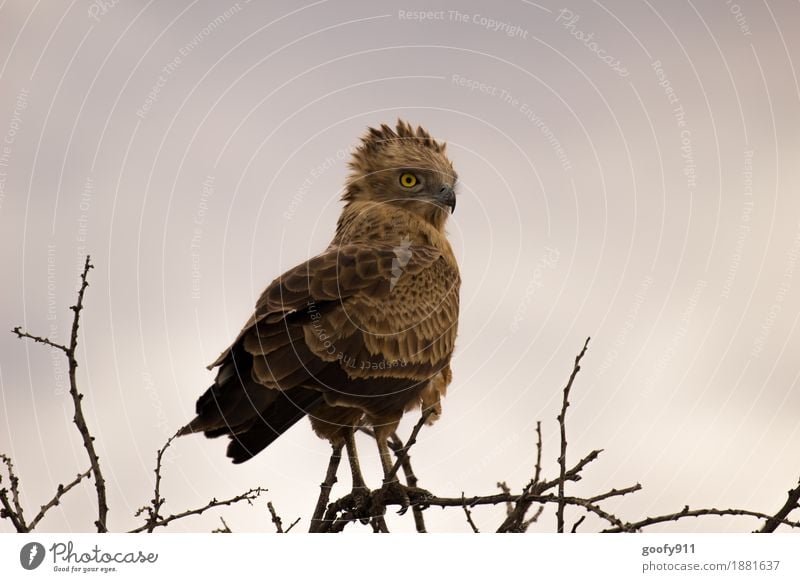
{"x": 325, "y": 488}
{"x": 562, "y": 459}
{"x": 248, "y": 496}
{"x": 399, "y": 448}
{"x": 60, "y": 492}
{"x": 278, "y": 521}
{"x": 78, "y": 418}
{"x": 792, "y": 503}
{"x": 154, "y": 518}
{"x": 11, "y": 507}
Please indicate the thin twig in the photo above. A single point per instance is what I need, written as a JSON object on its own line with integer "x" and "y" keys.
{"x": 468, "y": 513}
{"x": 615, "y": 493}
{"x": 60, "y": 492}
{"x": 503, "y": 486}
{"x": 686, "y": 512}
{"x": 157, "y": 502}
{"x": 532, "y": 519}
{"x": 325, "y": 489}
{"x": 39, "y": 340}
{"x": 538, "y": 469}
{"x": 12, "y": 509}
{"x": 78, "y": 418}
{"x": 8, "y": 512}
{"x": 291, "y": 525}
{"x": 248, "y": 496}
{"x": 402, "y": 453}
{"x": 275, "y": 518}
{"x": 792, "y": 503}
{"x": 397, "y": 445}
{"x": 577, "y": 524}
{"x": 562, "y": 458}
{"x": 223, "y": 529}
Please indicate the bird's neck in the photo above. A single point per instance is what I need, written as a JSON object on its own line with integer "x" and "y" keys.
{"x": 369, "y": 221}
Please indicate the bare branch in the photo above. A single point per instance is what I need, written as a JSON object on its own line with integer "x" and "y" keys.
{"x": 562, "y": 459}
{"x": 60, "y": 492}
{"x": 77, "y": 397}
{"x": 12, "y": 508}
{"x": 325, "y": 489}
{"x": 792, "y": 503}
{"x": 248, "y": 496}
{"x": 154, "y": 509}
{"x": 577, "y": 524}
{"x": 277, "y": 520}
{"x": 223, "y": 529}
{"x": 686, "y": 512}
{"x": 39, "y": 340}
{"x": 533, "y": 519}
{"x": 403, "y": 453}
{"x": 468, "y": 514}
{"x": 537, "y": 474}
{"x": 397, "y": 445}
{"x": 615, "y": 493}
{"x": 503, "y": 486}
{"x": 78, "y": 418}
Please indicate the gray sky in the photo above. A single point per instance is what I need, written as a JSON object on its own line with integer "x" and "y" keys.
{"x": 628, "y": 171}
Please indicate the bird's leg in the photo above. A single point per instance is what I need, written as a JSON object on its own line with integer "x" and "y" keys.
{"x": 386, "y": 459}
{"x": 392, "y": 488}
{"x": 360, "y": 491}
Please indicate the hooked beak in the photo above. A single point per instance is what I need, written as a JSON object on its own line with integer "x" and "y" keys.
{"x": 447, "y": 198}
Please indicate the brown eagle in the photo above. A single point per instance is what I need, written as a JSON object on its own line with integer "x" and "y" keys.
{"x": 364, "y": 331}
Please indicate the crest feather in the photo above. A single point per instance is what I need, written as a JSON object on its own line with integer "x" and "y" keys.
{"x": 377, "y": 137}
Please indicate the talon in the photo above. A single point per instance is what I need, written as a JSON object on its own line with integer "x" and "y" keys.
{"x": 361, "y": 503}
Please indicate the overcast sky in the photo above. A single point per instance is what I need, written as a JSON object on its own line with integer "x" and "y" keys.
{"x": 628, "y": 170}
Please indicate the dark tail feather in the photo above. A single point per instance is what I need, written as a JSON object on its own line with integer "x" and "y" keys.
{"x": 232, "y": 402}
{"x": 250, "y": 413}
{"x": 289, "y": 407}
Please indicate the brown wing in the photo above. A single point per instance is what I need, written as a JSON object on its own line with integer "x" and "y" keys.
{"x": 308, "y": 327}
{"x": 331, "y": 278}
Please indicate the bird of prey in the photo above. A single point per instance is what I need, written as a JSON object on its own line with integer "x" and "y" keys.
{"x": 361, "y": 333}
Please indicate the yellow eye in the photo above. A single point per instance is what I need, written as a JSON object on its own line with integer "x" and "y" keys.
{"x": 408, "y": 180}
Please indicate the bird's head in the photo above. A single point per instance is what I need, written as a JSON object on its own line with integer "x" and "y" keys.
{"x": 403, "y": 167}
